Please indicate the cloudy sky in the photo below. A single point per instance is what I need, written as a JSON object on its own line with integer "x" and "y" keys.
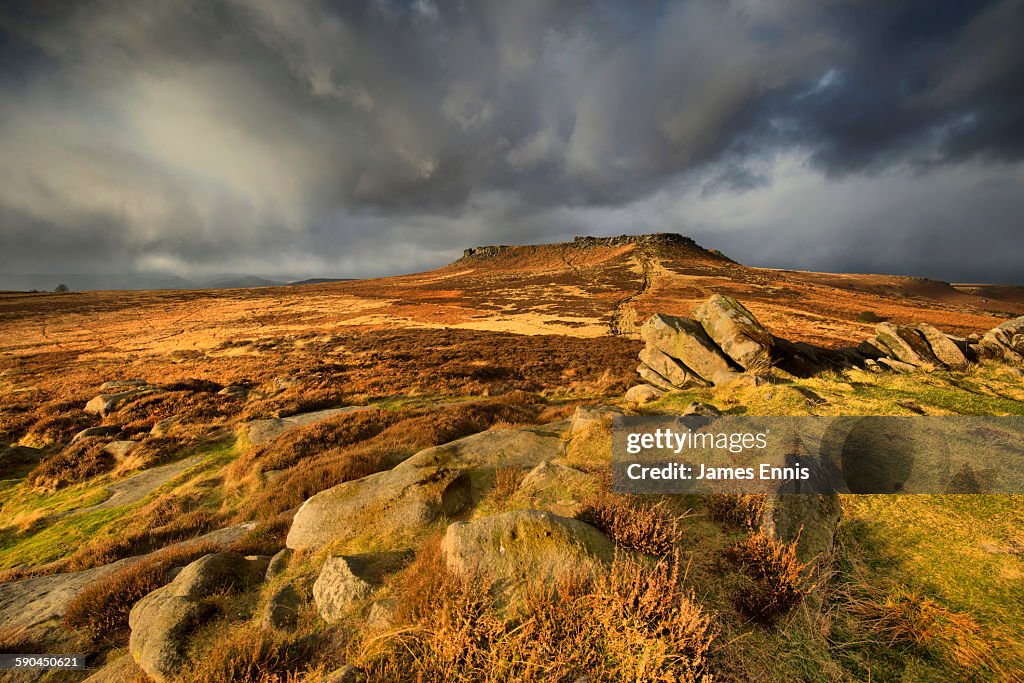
{"x": 363, "y": 138}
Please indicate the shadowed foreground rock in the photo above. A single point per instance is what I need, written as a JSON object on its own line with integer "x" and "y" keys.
{"x": 163, "y": 620}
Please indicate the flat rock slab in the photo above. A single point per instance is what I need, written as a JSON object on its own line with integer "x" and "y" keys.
{"x": 261, "y": 431}
{"x": 37, "y": 604}
{"x": 417, "y": 491}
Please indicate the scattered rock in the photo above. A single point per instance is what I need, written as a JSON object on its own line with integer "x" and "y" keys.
{"x": 643, "y": 393}
{"x": 100, "y": 430}
{"x": 812, "y": 518}
{"x": 261, "y": 431}
{"x": 282, "y": 609}
{"x": 653, "y": 378}
{"x": 162, "y": 621}
{"x": 873, "y": 366}
{"x": 587, "y": 418}
{"x": 122, "y": 384}
{"x": 942, "y": 347}
{"x": 736, "y": 332}
{"x": 278, "y": 563}
{"x": 165, "y": 426}
{"x": 381, "y": 615}
{"x": 518, "y": 547}
{"x": 346, "y": 580}
{"x": 677, "y": 374}
{"x": 120, "y": 449}
{"x": 104, "y": 404}
{"x": 702, "y": 409}
{"x": 905, "y": 344}
{"x": 686, "y": 341}
{"x": 19, "y": 456}
{"x": 234, "y": 391}
{"x": 556, "y": 487}
{"x": 1005, "y": 342}
{"x": 896, "y": 365}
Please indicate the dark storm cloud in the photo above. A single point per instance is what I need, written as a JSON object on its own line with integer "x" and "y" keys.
{"x": 361, "y": 138}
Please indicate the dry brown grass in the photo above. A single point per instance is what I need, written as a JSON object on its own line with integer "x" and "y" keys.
{"x": 634, "y": 623}
{"x": 322, "y": 439}
{"x": 507, "y": 480}
{"x": 248, "y": 653}
{"x": 778, "y": 580}
{"x": 744, "y": 510}
{"x": 904, "y": 617}
{"x": 79, "y": 461}
{"x": 101, "y": 609}
{"x": 394, "y": 443}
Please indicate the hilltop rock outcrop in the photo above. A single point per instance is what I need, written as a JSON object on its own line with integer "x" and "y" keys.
{"x": 725, "y": 344}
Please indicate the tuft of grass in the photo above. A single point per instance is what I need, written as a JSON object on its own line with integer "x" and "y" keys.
{"x": 77, "y": 462}
{"x": 904, "y": 617}
{"x": 248, "y": 653}
{"x": 507, "y": 480}
{"x": 744, "y": 510}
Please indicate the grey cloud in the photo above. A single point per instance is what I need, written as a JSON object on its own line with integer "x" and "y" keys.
{"x": 289, "y": 137}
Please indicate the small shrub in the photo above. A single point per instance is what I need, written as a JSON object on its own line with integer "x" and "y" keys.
{"x": 77, "y": 462}
{"x": 743, "y": 510}
{"x": 633, "y": 523}
{"x": 779, "y": 579}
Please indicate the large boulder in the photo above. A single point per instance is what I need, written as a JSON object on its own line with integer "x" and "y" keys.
{"x": 516, "y": 549}
{"x": 346, "y": 580}
{"x": 100, "y": 430}
{"x": 116, "y": 385}
{"x": 665, "y": 366}
{"x": 431, "y": 483}
{"x": 905, "y": 344}
{"x": 942, "y": 347}
{"x": 736, "y": 331}
{"x": 686, "y": 341}
{"x": 162, "y": 622}
{"x": 1005, "y": 342}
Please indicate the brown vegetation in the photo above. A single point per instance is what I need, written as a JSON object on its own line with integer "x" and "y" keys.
{"x": 634, "y": 623}
{"x": 414, "y": 431}
{"x": 742, "y": 510}
{"x": 779, "y": 581}
{"x": 101, "y": 609}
